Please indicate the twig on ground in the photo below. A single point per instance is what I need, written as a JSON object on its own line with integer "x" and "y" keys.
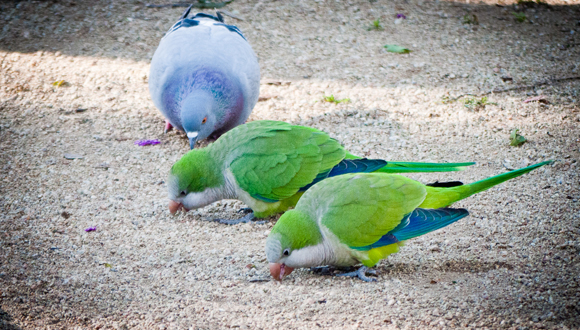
{"x": 519, "y": 87}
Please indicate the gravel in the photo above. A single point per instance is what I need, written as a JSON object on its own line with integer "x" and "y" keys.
{"x": 69, "y": 163}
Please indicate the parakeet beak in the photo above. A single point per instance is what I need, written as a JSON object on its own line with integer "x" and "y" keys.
{"x": 278, "y": 271}
{"x": 175, "y": 206}
{"x": 192, "y": 136}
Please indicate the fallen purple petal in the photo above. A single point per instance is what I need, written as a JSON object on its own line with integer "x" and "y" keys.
{"x": 401, "y": 16}
{"x": 146, "y": 142}
{"x": 91, "y": 229}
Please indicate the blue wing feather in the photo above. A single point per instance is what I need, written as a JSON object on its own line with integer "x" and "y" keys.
{"x": 417, "y": 223}
{"x": 345, "y": 166}
{"x": 422, "y": 221}
{"x": 362, "y": 165}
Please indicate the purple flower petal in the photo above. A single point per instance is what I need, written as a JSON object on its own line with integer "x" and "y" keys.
{"x": 142, "y": 143}
{"x": 91, "y": 229}
{"x": 401, "y": 16}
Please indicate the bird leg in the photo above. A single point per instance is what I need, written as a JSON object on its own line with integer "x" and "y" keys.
{"x": 245, "y": 219}
{"x": 168, "y": 126}
{"x": 361, "y": 273}
{"x": 245, "y": 210}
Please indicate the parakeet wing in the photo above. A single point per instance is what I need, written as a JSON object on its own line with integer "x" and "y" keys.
{"x": 279, "y": 159}
{"x": 373, "y": 206}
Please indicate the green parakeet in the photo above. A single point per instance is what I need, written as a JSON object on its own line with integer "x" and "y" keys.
{"x": 364, "y": 217}
{"x": 268, "y": 165}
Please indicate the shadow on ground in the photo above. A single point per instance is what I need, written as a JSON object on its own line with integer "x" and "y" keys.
{"x": 6, "y": 321}
{"x": 128, "y": 29}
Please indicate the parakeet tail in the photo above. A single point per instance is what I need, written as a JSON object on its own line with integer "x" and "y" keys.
{"x": 409, "y": 167}
{"x": 443, "y": 196}
{"x": 406, "y": 167}
{"x": 494, "y": 180}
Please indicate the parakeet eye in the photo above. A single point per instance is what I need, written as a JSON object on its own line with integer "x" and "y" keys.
{"x": 204, "y": 120}
{"x": 286, "y": 252}
{"x": 183, "y": 193}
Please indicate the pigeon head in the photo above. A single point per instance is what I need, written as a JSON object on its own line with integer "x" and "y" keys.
{"x": 198, "y": 116}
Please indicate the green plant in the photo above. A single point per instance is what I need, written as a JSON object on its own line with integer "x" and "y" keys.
{"x": 376, "y": 25}
{"x": 516, "y": 139}
{"x": 60, "y": 83}
{"x": 476, "y": 104}
{"x": 334, "y": 100}
{"x": 520, "y": 17}
{"x": 470, "y": 19}
{"x": 446, "y": 99}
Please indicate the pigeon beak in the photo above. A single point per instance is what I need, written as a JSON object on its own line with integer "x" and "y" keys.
{"x": 278, "y": 271}
{"x": 192, "y": 136}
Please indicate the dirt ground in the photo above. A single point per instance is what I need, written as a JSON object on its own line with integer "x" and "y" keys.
{"x": 514, "y": 263}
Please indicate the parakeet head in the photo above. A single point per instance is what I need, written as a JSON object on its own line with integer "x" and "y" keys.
{"x": 193, "y": 181}
{"x": 198, "y": 116}
{"x": 287, "y": 246}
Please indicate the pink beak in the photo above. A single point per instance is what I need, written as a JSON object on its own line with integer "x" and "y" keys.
{"x": 278, "y": 271}
{"x": 175, "y": 206}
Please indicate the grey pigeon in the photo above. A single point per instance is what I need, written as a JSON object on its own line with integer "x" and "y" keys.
{"x": 204, "y": 77}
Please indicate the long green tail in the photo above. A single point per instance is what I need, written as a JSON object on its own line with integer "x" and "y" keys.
{"x": 442, "y": 197}
{"x": 406, "y": 167}
{"x": 410, "y": 167}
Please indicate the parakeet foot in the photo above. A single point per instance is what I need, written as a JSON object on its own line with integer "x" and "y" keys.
{"x": 168, "y": 126}
{"x": 361, "y": 273}
{"x": 245, "y": 219}
{"x": 245, "y": 210}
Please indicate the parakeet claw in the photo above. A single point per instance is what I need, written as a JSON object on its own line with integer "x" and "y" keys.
{"x": 246, "y": 219}
{"x": 168, "y": 126}
{"x": 245, "y": 210}
{"x": 361, "y": 273}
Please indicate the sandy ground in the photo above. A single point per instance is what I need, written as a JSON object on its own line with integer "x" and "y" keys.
{"x": 514, "y": 263}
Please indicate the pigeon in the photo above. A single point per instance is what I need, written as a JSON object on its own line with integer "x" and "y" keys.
{"x": 204, "y": 77}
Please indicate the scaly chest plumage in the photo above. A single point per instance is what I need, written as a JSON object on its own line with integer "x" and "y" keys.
{"x": 261, "y": 208}
{"x": 329, "y": 252}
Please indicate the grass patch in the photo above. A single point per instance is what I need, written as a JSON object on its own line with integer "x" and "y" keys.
{"x": 334, "y": 100}
{"x": 376, "y": 26}
{"x": 60, "y": 83}
{"x": 470, "y": 19}
{"x": 520, "y": 17}
{"x": 475, "y": 103}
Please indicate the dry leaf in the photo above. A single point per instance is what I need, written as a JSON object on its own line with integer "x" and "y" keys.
{"x": 540, "y": 98}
